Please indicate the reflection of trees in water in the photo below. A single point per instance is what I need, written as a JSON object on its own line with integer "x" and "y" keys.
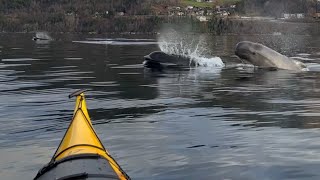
{"x": 278, "y": 98}
{"x": 253, "y": 93}
{"x": 266, "y": 98}
{"x": 288, "y": 45}
{"x": 112, "y": 63}
{"x": 65, "y": 64}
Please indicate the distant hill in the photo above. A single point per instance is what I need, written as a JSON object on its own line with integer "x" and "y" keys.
{"x": 148, "y": 7}
{"x": 122, "y": 15}
{"x": 277, "y": 7}
{"x": 208, "y": 4}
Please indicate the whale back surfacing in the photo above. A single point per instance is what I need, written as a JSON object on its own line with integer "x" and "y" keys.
{"x": 160, "y": 60}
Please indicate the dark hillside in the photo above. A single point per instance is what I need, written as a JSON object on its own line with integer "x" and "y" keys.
{"x": 123, "y": 15}
{"x": 79, "y": 15}
{"x": 276, "y": 7}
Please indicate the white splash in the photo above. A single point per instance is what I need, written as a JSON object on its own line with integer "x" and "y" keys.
{"x": 208, "y": 62}
{"x": 303, "y": 58}
{"x": 301, "y": 64}
{"x": 43, "y": 36}
{"x": 171, "y": 42}
{"x": 313, "y": 67}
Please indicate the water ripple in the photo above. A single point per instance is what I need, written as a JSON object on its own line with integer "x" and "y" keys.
{"x": 231, "y": 123}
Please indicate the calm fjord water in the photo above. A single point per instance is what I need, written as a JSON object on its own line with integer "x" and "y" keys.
{"x": 231, "y": 123}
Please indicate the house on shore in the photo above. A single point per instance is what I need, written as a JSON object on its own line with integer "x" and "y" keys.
{"x": 293, "y": 16}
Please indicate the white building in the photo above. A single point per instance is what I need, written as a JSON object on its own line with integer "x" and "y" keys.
{"x": 202, "y": 18}
{"x": 300, "y": 16}
{"x": 189, "y": 8}
{"x": 293, "y": 16}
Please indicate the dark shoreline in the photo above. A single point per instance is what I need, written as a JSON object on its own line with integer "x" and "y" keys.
{"x": 152, "y": 25}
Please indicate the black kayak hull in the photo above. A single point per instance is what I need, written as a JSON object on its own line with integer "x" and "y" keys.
{"x": 80, "y": 167}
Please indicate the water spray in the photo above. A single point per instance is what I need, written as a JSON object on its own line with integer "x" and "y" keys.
{"x": 189, "y": 46}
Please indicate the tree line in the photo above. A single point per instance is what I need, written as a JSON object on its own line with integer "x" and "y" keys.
{"x": 80, "y": 15}
{"x": 119, "y": 15}
{"x": 277, "y": 7}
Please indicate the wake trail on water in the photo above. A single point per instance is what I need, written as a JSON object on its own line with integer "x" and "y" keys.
{"x": 194, "y": 48}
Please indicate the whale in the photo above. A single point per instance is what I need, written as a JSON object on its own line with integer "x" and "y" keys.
{"x": 264, "y": 57}
{"x": 39, "y": 39}
{"x": 159, "y": 60}
{"x": 41, "y": 36}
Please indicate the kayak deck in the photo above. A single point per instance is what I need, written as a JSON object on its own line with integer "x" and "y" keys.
{"x": 81, "y": 155}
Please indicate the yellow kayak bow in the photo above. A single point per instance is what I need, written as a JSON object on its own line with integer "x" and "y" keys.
{"x": 81, "y": 155}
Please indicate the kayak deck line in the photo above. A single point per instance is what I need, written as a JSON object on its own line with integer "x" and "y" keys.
{"x": 81, "y": 151}
{"x": 68, "y": 143}
{"x": 77, "y": 146}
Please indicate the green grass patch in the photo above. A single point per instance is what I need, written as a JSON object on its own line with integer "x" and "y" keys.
{"x": 229, "y": 2}
{"x": 208, "y": 4}
{"x": 196, "y": 4}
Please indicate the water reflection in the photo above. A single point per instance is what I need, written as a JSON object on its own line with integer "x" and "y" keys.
{"x": 231, "y": 123}
{"x": 254, "y": 95}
